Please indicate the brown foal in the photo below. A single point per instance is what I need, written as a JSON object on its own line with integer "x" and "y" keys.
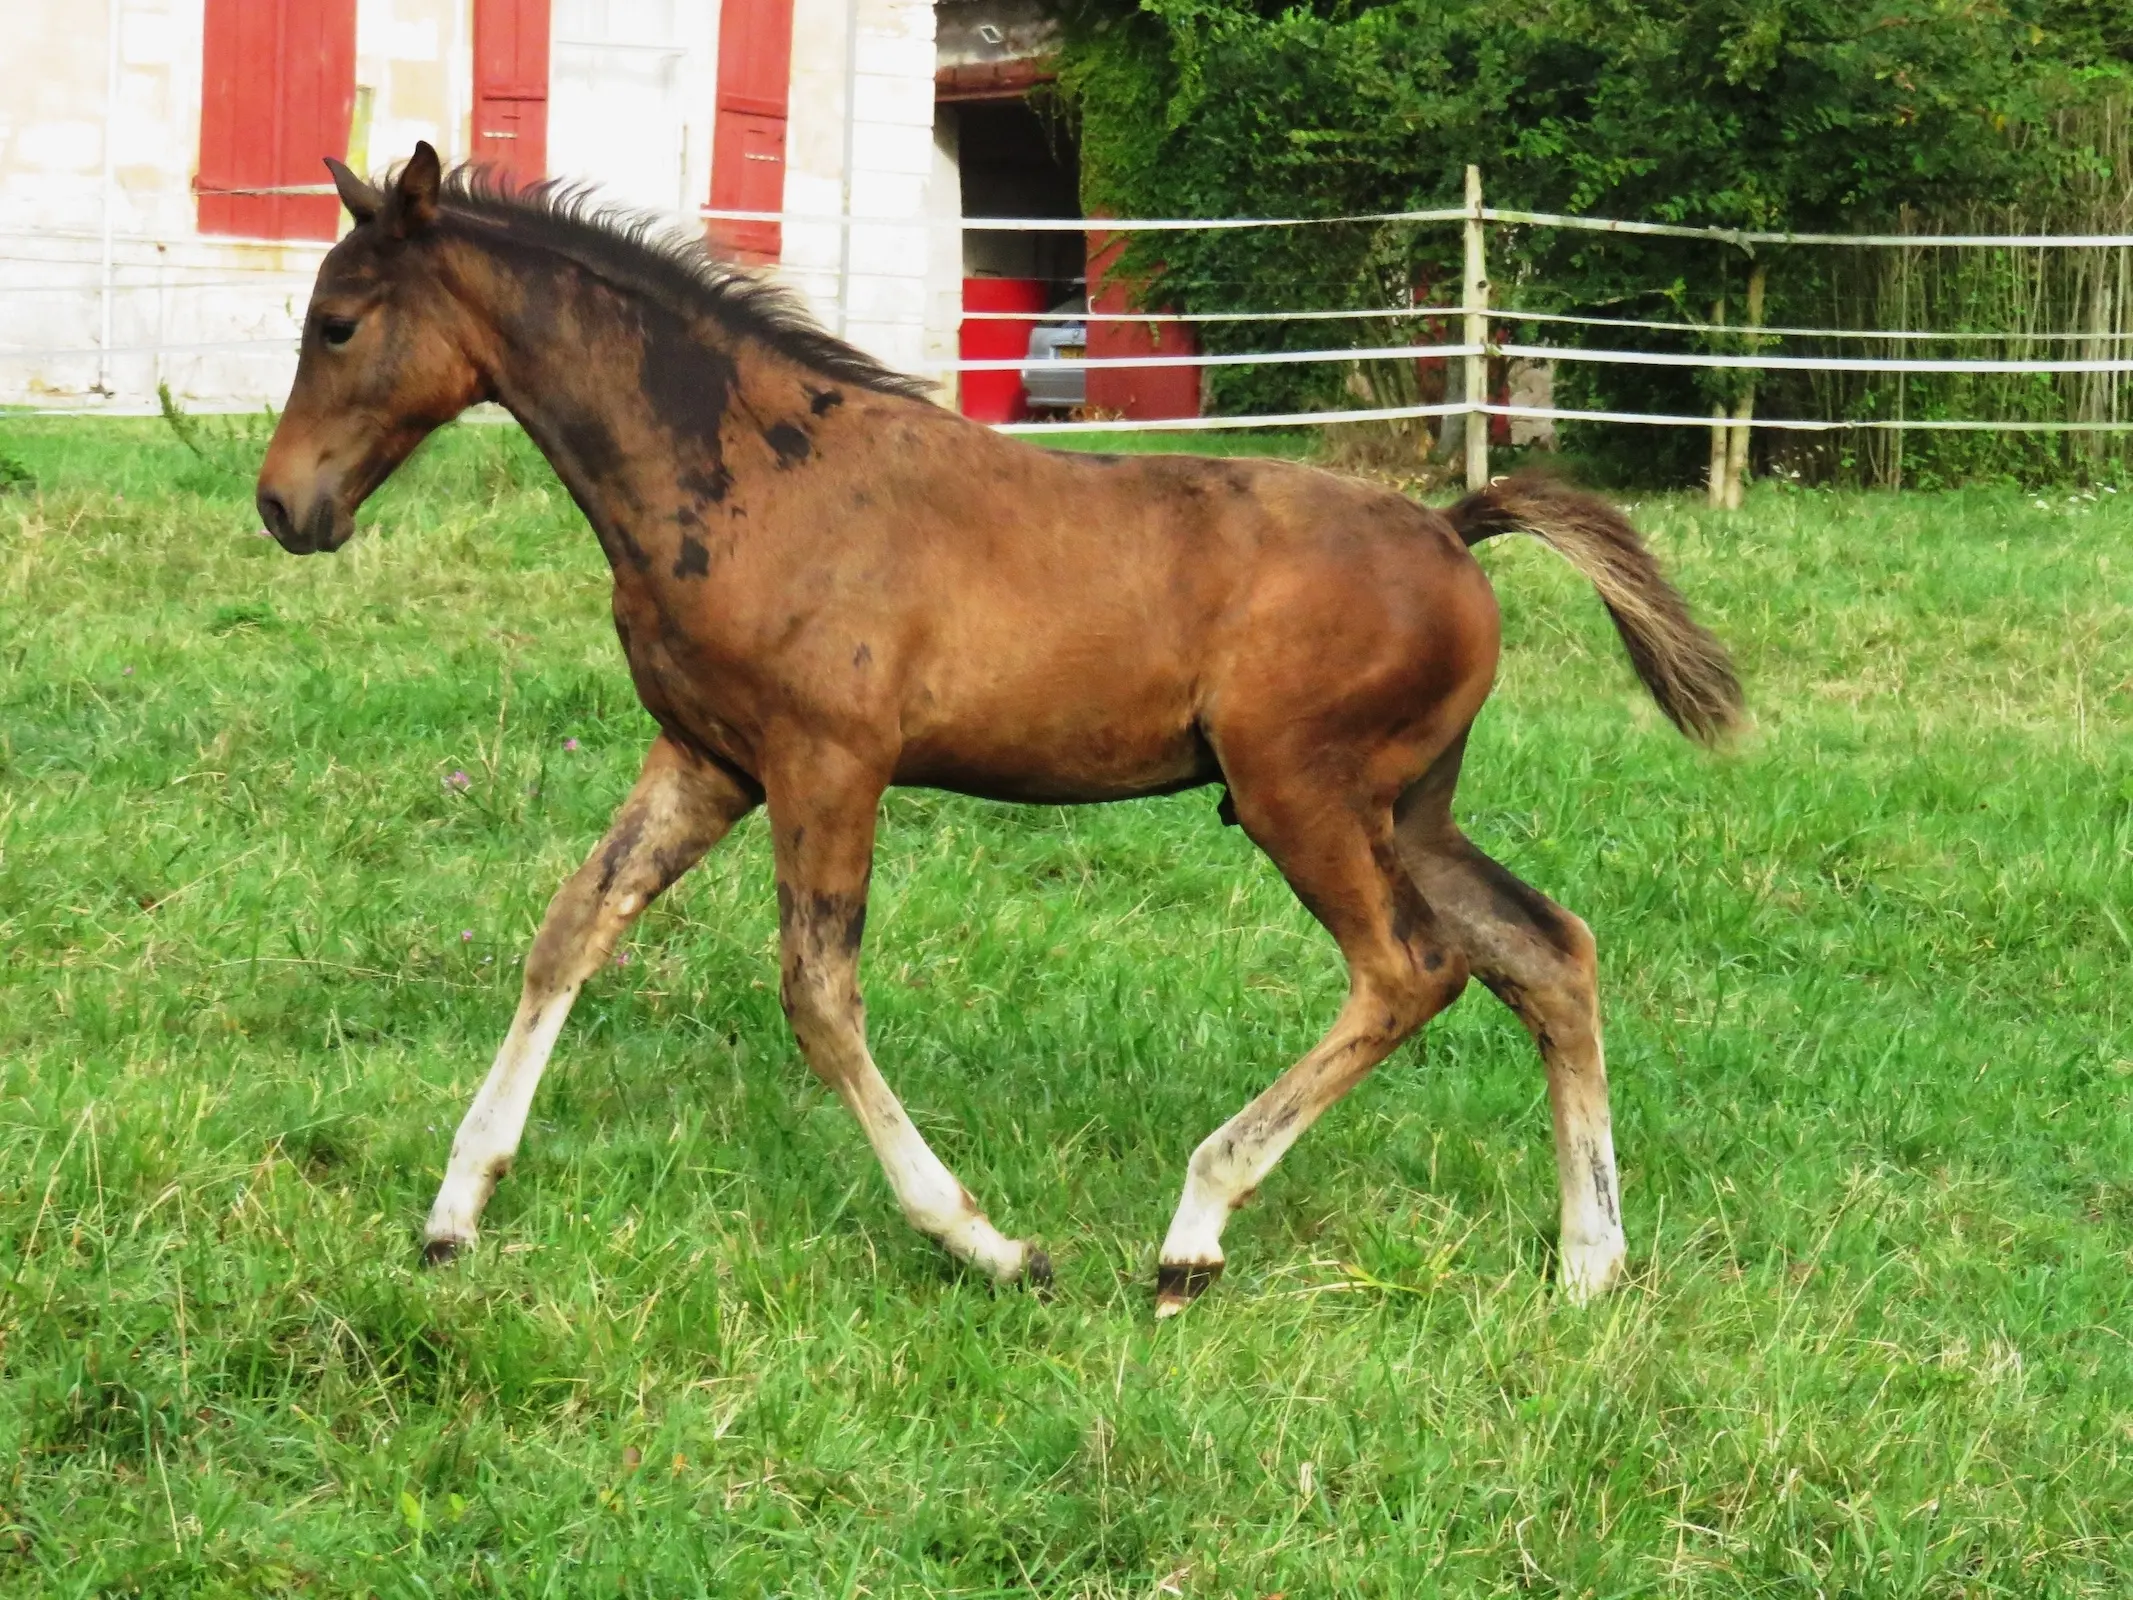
{"x": 825, "y": 584}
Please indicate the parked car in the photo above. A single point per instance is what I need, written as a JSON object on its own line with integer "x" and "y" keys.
{"x": 1055, "y": 376}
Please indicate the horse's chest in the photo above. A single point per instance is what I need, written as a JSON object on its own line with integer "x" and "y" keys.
{"x": 678, "y": 679}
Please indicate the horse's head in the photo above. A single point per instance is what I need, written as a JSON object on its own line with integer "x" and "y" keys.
{"x": 385, "y": 362}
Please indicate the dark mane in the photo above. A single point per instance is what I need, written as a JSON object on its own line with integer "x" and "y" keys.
{"x": 646, "y": 252}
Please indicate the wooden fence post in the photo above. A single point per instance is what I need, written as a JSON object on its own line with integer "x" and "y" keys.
{"x": 1744, "y": 407}
{"x": 1476, "y": 305}
{"x": 1715, "y": 493}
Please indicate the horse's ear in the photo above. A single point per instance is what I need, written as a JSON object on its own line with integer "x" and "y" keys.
{"x": 413, "y": 203}
{"x": 359, "y": 197}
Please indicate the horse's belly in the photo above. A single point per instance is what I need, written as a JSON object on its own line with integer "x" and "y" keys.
{"x": 1053, "y": 761}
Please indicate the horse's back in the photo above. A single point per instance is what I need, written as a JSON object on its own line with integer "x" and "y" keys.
{"x": 1090, "y": 621}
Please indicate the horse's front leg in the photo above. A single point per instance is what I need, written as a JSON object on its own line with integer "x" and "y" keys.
{"x": 682, "y": 806}
{"x": 822, "y": 810}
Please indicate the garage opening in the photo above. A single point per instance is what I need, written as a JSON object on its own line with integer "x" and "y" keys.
{"x": 1026, "y": 293}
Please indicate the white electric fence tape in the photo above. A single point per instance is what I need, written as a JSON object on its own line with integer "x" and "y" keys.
{"x": 1293, "y": 419}
{"x": 1302, "y": 419}
{"x": 1254, "y": 358}
{"x": 1248, "y": 358}
{"x": 1743, "y": 238}
{"x": 1654, "y": 358}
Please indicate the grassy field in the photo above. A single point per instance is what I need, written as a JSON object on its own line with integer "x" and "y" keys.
{"x": 1867, "y": 979}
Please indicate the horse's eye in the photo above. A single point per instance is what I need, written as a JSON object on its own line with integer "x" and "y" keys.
{"x": 336, "y": 330}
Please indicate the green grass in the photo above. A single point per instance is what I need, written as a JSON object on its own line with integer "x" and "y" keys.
{"x": 1867, "y": 985}
{"x": 1288, "y": 442}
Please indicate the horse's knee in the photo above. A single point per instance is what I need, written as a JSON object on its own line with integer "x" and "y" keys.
{"x": 819, "y": 1002}
{"x": 557, "y": 958}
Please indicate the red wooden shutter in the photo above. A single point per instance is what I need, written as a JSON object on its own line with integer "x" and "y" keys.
{"x": 511, "y": 87}
{"x": 748, "y": 139}
{"x": 277, "y": 90}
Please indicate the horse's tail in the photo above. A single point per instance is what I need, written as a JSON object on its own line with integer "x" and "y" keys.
{"x": 1686, "y": 669}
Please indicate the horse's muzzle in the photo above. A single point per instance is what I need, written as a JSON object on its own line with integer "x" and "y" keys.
{"x": 315, "y": 528}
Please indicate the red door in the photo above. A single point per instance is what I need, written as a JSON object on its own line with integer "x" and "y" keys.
{"x": 511, "y": 88}
{"x": 277, "y": 92}
{"x": 748, "y": 138}
{"x": 1136, "y": 392}
{"x": 998, "y": 396}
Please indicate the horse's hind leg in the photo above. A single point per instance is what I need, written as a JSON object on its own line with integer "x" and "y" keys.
{"x": 1539, "y": 960}
{"x": 1339, "y": 857}
{"x": 680, "y": 808}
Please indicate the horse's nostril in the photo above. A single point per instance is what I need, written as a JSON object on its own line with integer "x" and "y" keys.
{"x": 274, "y": 512}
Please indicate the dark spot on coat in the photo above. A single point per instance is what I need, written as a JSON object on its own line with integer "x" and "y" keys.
{"x": 621, "y": 844}
{"x": 667, "y": 865}
{"x": 1433, "y": 961}
{"x": 589, "y": 444}
{"x": 823, "y": 401}
{"x": 620, "y": 546}
{"x": 708, "y": 484}
{"x": 790, "y": 442}
{"x": 1518, "y": 901}
{"x": 694, "y": 560}
{"x": 862, "y": 656}
{"x": 1602, "y": 1191}
{"x": 822, "y": 920}
{"x": 687, "y": 379}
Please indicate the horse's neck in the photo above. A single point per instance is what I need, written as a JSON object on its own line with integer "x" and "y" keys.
{"x": 619, "y": 401}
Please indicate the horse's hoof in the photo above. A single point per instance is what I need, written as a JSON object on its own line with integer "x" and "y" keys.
{"x": 1179, "y": 1283}
{"x": 440, "y": 1252}
{"x": 1586, "y": 1272}
{"x": 1037, "y": 1273}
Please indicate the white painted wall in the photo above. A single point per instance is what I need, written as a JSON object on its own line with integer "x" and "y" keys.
{"x": 631, "y": 85}
{"x": 944, "y": 256}
{"x": 873, "y": 290}
{"x": 417, "y": 58}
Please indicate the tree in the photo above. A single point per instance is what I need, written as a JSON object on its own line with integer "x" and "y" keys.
{"x": 1820, "y": 115}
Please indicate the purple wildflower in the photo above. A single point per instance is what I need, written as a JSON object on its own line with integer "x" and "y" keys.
{"x": 570, "y": 744}
{"x": 622, "y": 958}
{"x": 459, "y": 780}
{"x": 125, "y": 672}
{"x": 466, "y": 935}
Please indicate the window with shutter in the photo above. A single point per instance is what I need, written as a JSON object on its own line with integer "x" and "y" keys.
{"x": 277, "y": 92}
{"x": 748, "y": 139}
{"x": 511, "y": 87}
